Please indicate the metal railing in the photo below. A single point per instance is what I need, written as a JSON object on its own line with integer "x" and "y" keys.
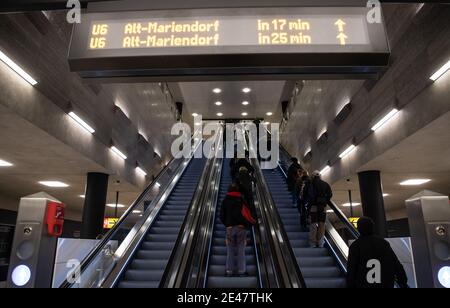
{"x": 104, "y": 258}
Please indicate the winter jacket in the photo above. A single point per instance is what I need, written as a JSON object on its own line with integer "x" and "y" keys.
{"x": 241, "y": 162}
{"x": 231, "y": 210}
{"x": 292, "y": 175}
{"x": 319, "y": 193}
{"x": 373, "y": 248}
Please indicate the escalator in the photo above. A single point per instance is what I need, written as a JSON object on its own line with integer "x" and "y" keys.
{"x": 150, "y": 260}
{"x": 218, "y": 251}
{"x": 318, "y": 265}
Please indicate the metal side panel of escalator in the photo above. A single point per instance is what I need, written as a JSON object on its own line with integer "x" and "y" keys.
{"x": 318, "y": 265}
{"x": 150, "y": 260}
{"x": 218, "y": 251}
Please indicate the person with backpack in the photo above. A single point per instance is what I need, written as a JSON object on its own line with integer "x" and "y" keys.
{"x": 292, "y": 177}
{"x": 236, "y": 217}
{"x": 245, "y": 181}
{"x": 364, "y": 255}
{"x": 320, "y": 195}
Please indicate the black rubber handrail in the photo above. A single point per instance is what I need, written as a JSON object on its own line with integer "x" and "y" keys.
{"x": 285, "y": 264}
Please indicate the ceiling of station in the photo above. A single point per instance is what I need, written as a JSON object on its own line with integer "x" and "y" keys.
{"x": 424, "y": 155}
{"x": 37, "y": 156}
{"x": 264, "y": 97}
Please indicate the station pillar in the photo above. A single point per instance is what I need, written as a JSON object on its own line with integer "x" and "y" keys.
{"x": 94, "y": 205}
{"x": 372, "y": 199}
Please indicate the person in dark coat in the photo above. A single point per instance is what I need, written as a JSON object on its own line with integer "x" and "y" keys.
{"x": 302, "y": 188}
{"x": 241, "y": 162}
{"x": 236, "y": 231}
{"x": 245, "y": 181}
{"x": 320, "y": 195}
{"x": 369, "y": 254}
{"x": 292, "y": 176}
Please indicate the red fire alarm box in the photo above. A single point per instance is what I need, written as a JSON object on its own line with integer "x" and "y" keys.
{"x": 55, "y": 218}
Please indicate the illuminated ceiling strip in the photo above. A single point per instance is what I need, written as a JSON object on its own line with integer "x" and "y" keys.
{"x": 81, "y": 122}
{"x": 440, "y": 71}
{"x": 385, "y": 119}
{"x": 118, "y": 153}
{"x": 347, "y": 151}
{"x": 4, "y": 58}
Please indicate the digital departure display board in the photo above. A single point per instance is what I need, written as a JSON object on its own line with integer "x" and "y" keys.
{"x": 146, "y": 42}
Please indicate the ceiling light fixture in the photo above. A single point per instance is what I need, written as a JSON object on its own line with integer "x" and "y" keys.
{"x": 54, "y": 184}
{"x": 217, "y": 90}
{"x": 82, "y": 196}
{"x": 218, "y": 103}
{"x": 195, "y": 114}
{"x": 81, "y": 122}
{"x": 118, "y": 152}
{"x": 325, "y": 170}
{"x": 385, "y": 119}
{"x": 441, "y": 71}
{"x": 246, "y": 90}
{"x": 113, "y": 205}
{"x": 353, "y": 204}
{"x": 385, "y": 195}
{"x": 347, "y": 151}
{"x": 220, "y": 114}
{"x": 141, "y": 171}
{"x": 244, "y": 114}
{"x": 4, "y": 163}
{"x": 12, "y": 65}
{"x": 245, "y": 103}
{"x": 269, "y": 113}
{"x": 414, "y": 182}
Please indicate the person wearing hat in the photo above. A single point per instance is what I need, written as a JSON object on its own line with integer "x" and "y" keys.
{"x": 319, "y": 196}
{"x": 371, "y": 261}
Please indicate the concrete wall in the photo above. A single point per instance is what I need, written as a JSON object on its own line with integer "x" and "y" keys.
{"x": 39, "y": 42}
{"x": 420, "y": 45}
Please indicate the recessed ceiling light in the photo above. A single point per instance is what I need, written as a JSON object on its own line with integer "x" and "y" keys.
{"x": 244, "y": 114}
{"x": 319, "y": 90}
{"x": 385, "y": 195}
{"x": 82, "y": 196}
{"x": 269, "y": 113}
{"x": 347, "y": 151}
{"x": 441, "y": 71}
{"x": 217, "y": 90}
{"x": 118, "y": 152}
{"x": 353, "y": 204}
{"x": 218, "y": 103}
{"x": 55, "y": 184}
{"x": 325, "y": 170}
{"x": 195, "y": 114}
{"x": 5, "y": 59}
{"x": 413, "y": 182}
{"x": 246, "y": 90}
{"x": 330, "y": 211}
{"x": 157, "y": 184}
{"x": 4, "y": 163}
{"x": 220, "y": 114}
{"x": 137, "y": 212}
{"x": 141, "y": 171}
{"x": 267, "y": 123}
{"x": 113, "y": 205}
{"x": 245, "y": 103}
{"x": 385, "y": 119}
{"x": 81, "y": 122}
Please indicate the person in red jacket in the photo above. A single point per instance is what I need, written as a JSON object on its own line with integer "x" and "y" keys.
{"x": 236, "y": 225}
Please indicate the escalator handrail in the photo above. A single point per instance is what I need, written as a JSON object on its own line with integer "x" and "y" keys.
{"x": 108, "y": 236}
{"x": 178, "y": 266}
{"x": 281, "y": 247}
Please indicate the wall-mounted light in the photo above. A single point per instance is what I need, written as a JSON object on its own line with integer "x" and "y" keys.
{"x": 325, "y": 170}
{"x": 4, "y": 163}
{"x": 118, "y": 152}
{"x": 385, "y": 119}
{"x": 440, "y": 71}
{"x": 347, "y": 151}
{"x": 12, "y": 65}
{"x": 141, "y": 171}
{"x": 81, "y": 122}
